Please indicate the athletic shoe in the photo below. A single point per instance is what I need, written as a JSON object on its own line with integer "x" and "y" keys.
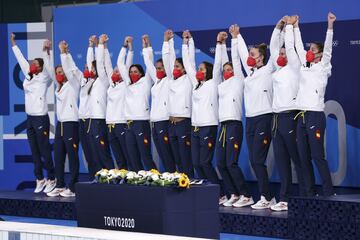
{"x": 223, "y": 199}
{"x": 50, "y": 185}
{"x": 263, "y": 203}
{"x": 56, "y": 192}
{"x": 231, "y": 201}
{"x": 40, "y": 185}
{"x": 243, "y": 202}
{"x": 67, "y": 193}
{"x": 280, "y": 206}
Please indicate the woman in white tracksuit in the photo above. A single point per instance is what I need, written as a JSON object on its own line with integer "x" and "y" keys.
{"x": 230, "y": 137}
{"x": 115, "y": 115}
{"x": 159, "y": 113}
{"x": 179, "y": 107}
{"x": 97, "y": 108}
{"x": 258, "y": 111}
{"x": 314, "y": 73}
{"x": 36, "y": 82}
{"x": 204, "y": 117}
{"x": 67, "y": 127}
{"x": 285, "y": 87}
{"x": 137, "y": 114}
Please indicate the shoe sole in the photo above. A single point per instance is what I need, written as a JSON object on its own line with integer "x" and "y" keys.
{"x": 47, "y": 191}
{"x": 245, "y": 205}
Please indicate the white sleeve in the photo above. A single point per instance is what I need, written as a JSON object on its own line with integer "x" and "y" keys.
{"x": 108, "y": 65}
{"x": 172, "y": 55}
{"x": 166, "y": 58}
{"x": 299, "y": 46}
{"x": 48, "y": 68}
{"x": 224, "y": 55}
{"x": 217, "y": 63}
{"x": 291, "y": 54}
{"x": 192, "y": 52}
{"x": 72, "y": 73}
{"x": 100, "y": 65}
{"x": 24, "y": 64}
{"x": 89, "y": 57}
{"x": 244, "y": 53}
{"x": 190, "y": 70}
{"x": 149, "y": 63}
{"x": 326, "y": 57}
{"x": 275, "y": 43}
{"x": 124, "y": 72}
{"x": 236, "y": 59}
{"x": 129, "y": 59}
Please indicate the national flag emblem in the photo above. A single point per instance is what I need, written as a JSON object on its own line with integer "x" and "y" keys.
{"x": 265, "y": 141}
{"x": 146, "y": 141}
{"x": 188, "y": 143}
{"x": 236, "y": 146}
{"x": 102, "y": 142}
{"x": 209, "y": 145}
{"x": 74, "y": 145}
{"x": 166, "y": 139}
{"x": 318, "y": 134}
{"x": 45, "y": 133}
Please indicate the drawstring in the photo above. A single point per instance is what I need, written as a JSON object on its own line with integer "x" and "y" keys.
{"x": 301, "y": 114}
{"x": 111, "y": 126}
{"x": 61, "y": 129}
{"x": 89, "y": 126}
{"x": 223, "y": 135}
{"x": 129, "y": 122}
{"x": 275, "y": 124}
{"x": 196, "y": 129}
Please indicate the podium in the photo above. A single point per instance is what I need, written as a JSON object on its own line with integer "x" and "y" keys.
{"x": 192, "y": 212}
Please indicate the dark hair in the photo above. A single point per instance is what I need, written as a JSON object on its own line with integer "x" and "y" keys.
{"x": 262, "y": 50}
{"x": 228, "y": 63}
{"x": 93, "y": 63}
{"x": 160, "y": 61}
{"x": 140, "y": 69}
{"x": 283, "y": 46}
{"x": 180, "y": 61}
{"x": 209, "y": 70}
{"x": 56, "y": 67}
{"x": 41, "y": 64}
{"x": 319, "y": 45}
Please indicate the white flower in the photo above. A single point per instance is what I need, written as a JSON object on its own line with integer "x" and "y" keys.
{"x": 155, "y": 177}
{"x": 131, "y": 175}
{"x": 103, "y": 173}
{"x": 142, "y": 173}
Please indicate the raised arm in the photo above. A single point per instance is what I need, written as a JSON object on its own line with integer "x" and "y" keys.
{"x": 24, "y": 64}
{"x": 299, "y": 46}
{"x": 149, "y": 58}
{"x": 242, "y": 49}
{"x": 220, "y": 42}
{"x": 107, "y": 61}
{"x": 168, "y": 53}
{"x": 189, "y": 68}
{"x": 90, "y": 52}
{"x": 48, "y": 68}
{"x": 124, "y": 72}
{"x": 275, "y": 41}
{"x": 326, "y": 57}
{"x": 100, "y": 58}
{"x": 235, "y": 58}
{"x": 293, "y": 59}
{"x": 72, "y": 73}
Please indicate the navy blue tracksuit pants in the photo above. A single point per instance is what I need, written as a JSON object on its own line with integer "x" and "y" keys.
{"x": 116, "y": 134}
{"x": 203, "y": 141}
{"x": 100, "y": 144}
{"x": 85, "y": 140}
{"x": 285, "y": 151}
{"x": 160, "y": 132}
{"x": 37, "y": 129}
{"x": 66, "y": 142}
{"x": 138, "y": 145}
{"x": 310, "y": 141}
{"x": 228, "y": 148}
{"x": 180, "y": 142}
{"x": 258, "y": 138}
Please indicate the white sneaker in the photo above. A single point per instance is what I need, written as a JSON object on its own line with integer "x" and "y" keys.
{"x": 56, "y": 192}
{"x": 67, "y": 193}
{"x": 243, "y": 202}
{"x": 263, "y": 203}
{"x": 231, "y": 201}
{"x": 280, "y": 206}
{"x": 40, "y": 184}
{"x": 223, "y": 199}
{"x": 50, "y": 185}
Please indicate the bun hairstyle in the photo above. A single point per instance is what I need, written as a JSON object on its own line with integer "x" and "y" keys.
{"x": 262, "y": 50}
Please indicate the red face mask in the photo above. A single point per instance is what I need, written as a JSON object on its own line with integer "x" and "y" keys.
{"x": 33, "y": 69}
{"x": 177, "y": 73}
{"x": 228, "y": 75}
{"x": 60, "y": 78}
{"x": 115, "y": 77}
{"x": 251, "y": 62}
{"x": 86, "y": 74}
{"x": 310, "y": 56}
{"x": 160, "y": 74}
{"x": 200, "y": 76}
{"x": 281, "y": 61}
{"x": 134, "y": 77}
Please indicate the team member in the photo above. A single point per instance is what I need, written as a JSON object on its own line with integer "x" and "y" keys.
{"x": 230, "y": 137}
{"x": 285, "y": 86}
{"x": 97, "y": 107}
{"x": 159, "y": 113}
{"x": 258, "y": 111}
{"x": 137, "y": 113}
{"x": 115, "y": 115}
{"x": 179, "y": 106}
{"x": 36, "y": 82}
{"x": 204, "y": 118}
{"x": 314, "y": 73}
{"x": 67, "y": 128}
